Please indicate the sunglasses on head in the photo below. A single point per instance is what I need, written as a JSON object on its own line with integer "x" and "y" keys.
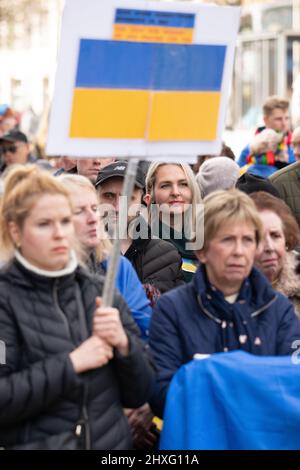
{"x": 10, "y": 148}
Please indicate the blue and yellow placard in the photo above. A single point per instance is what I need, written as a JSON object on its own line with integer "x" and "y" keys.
{"x": 146, "y": 80}
{"x": 158, "y": 97}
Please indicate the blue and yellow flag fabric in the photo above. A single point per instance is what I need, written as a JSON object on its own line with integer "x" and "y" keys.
{"x": 234, "y": 401}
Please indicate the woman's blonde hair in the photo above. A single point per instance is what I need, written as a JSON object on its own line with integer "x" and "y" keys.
{"x": 73, "y": 183}
{"x": 231, "y": 206}
{"x": 23, "y": 186}
{"x": 190, "y": 177}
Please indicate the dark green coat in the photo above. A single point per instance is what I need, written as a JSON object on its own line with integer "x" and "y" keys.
{"x": 287, "y": 183}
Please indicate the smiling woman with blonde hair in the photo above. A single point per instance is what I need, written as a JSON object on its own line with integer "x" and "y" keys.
{"x": 172, "y": 197}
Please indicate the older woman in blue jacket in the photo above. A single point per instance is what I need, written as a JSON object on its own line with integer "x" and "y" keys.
{"x": 228, "y": 305}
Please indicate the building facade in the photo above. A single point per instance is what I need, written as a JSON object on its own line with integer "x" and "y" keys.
{"x": 29, "y": 37}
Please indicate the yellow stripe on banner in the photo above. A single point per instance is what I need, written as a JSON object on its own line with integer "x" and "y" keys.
{"x": 116, "y": 114}
{"x": 184, "y": 116}
{"x": 142, "y": 33}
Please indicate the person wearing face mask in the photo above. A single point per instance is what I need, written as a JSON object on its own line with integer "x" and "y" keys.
{"x": 70, "y": 365}
{"x": 275, "y": 257}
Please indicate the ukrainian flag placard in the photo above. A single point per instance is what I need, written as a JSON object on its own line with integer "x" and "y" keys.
{"x": 142, "y": 79}
{"x": 147, "y": 90}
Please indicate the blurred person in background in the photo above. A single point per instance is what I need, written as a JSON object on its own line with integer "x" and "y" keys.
{"x": 15, "y": 148}
{"x": 265, "y": 149}
{"x": 275, "y": 257}
{"x": 8, "y": 120}
{"x": 63, "y": 164}
{"x": 90, "y": 167}
{"x": 276, "y": 116}
{"x": 226, "y": 151}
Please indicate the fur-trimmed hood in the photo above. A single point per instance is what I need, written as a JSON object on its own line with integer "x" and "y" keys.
{"x": 289, "y": 280}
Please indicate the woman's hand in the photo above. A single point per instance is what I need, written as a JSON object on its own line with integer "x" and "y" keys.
{"x": 107, "y": 325}
{"x": 91, "y": 354}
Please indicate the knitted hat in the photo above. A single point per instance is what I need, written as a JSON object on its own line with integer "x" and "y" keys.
{"x": 249, "y": 183}
{"x": 217, "y": 173}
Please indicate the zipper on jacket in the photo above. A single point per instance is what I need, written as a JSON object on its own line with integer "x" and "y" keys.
{"x": 260, "y": 310}
{"x": 59, "y": 310}
{"x": 88, "y": 445}
{"x": 84, "y": 418}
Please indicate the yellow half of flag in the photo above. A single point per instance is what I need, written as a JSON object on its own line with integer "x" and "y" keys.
{"x": 144, "y": 114}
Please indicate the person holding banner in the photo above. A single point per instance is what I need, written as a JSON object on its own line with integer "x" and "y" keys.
{"x": 172, "y": 196}
{"x": 97, "y": 247}
{"x": 228, "y": 305}
{"x": 71, "y": 365}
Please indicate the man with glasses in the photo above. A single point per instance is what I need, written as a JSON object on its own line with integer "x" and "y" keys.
{"x": 14, "y": 148}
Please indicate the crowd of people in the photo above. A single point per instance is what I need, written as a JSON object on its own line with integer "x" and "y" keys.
{"x": 209, "y": 264}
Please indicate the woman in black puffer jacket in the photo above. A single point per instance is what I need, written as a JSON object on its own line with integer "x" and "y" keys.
{"x": 62, "y": 350}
